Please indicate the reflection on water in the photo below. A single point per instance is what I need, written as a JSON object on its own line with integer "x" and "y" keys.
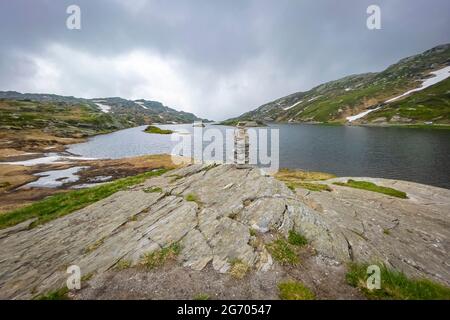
{"x": 55, "y": 178}
{"x": 406, "y": 154}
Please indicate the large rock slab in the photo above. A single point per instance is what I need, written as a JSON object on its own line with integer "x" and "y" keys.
{"x": 411, "y": 235}
{"x": 214, "y": 229}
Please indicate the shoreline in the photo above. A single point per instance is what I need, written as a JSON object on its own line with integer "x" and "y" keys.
{"x": 348, "y": 124}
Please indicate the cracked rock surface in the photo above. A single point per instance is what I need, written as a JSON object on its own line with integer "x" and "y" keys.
{"x": 214, "y": 228}
{"x": 411, "y": 235}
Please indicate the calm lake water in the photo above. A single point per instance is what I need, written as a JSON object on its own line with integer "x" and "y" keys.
{"x": 407, "y": 154}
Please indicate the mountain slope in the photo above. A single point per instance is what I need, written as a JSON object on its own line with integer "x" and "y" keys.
{"x": 38, "y": 122}
{"x": 336, "y": 100}
{"x": 133, "y": 113}
{"x": 36, "y": 126}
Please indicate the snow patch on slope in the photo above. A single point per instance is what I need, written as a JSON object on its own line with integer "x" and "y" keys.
{"x": 103, "y": 107}
{"x": 439, "y": 76}
{"x": 297, "y": 103}
{"x": 141, "y": 104}
{"x": 360, "y": 115}
{"x": 314, "y": 98}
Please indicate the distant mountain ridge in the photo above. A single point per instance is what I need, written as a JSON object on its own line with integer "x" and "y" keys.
{"x": 138, "y": 112}
{"x": 366, "y": 95}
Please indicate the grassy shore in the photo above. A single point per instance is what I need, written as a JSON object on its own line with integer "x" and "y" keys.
{"x": 64, "y": 203}
{"x": 369, "y": 186}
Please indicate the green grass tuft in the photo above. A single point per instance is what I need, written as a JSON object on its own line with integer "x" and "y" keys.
{"x": 60, "y": 294}
{"x": 123, "y": 264}
{"x": 293, "y": 290}
{"x": 369, "y": 186}
{"x": 293, "y": 175}
{"x": 153, "y": 190}
{"x": 159, "y": 257}
{"x": 238, "y": 269}
{"x": 309, "y": 186}
{"x": 396, "y": 286}
{"x": 201, "y": 296}
{"x": 282, "y": 252}
{"x": 64, "y": 203}
{"x": 192, "y": 197}
{"x": 296, "y": 239}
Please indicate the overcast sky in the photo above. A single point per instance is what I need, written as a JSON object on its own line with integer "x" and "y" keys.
{"x": 216, "y": 58}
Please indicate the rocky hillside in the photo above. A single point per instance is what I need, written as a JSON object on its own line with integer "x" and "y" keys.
{"x": 229, "y": 233}
{"x": 335, "y": 101}
{"x": 40, "y": 122}
{"x": 129, "y": 112}
{"x": 36, "y": 126}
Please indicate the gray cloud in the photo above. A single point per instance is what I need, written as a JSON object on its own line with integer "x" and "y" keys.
{"x": 216, "y": 58}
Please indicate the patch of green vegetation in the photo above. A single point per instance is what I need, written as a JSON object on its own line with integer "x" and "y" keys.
{"x": 60, "y": 294}
{"x": 395, "y": 285}
{"x": 292, "y": 175}
{"x": 123, "y": 264}
{"x": 64, "y": 203}
{"x": 156, "y": 130}
{"x": 301, "y": 179}
{"x": 386, "y": 231}
{"x": 370, "y": 186}
{"x": 238, "y": 269}
{"x": 283, "y": 252}
{"x": 159, "y": 257}
{"x": 201, "y": 296}
{"x": 153, "y": 190}
{"x": 309, "y": 186}
{"x": 252, "y": 232}
{"x": 192, "y": 197}
{"x": 296, "y": 239}
{"x": 294, "y": 290}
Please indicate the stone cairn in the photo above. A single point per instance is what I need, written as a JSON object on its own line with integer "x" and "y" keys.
{"x": 241, "y": 146}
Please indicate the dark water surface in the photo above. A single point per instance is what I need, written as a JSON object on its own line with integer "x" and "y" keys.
{"x": 407, "y": 154}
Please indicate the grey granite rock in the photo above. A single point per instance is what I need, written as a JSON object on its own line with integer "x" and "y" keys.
{"x": 345, "y": 224}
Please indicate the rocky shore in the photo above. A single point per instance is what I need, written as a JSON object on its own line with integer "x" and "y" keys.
{"x": 218, "y": 216}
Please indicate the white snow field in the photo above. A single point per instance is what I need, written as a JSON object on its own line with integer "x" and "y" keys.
{"x": 141, "y": 104}
{"x": 297, "y": 103}
{"x": 103, "y": 107}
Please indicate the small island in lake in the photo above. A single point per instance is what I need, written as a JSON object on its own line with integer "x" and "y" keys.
{"x": 156, "y": 130}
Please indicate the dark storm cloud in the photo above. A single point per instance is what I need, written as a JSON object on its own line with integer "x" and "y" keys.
{"x": 215, "y": 58}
